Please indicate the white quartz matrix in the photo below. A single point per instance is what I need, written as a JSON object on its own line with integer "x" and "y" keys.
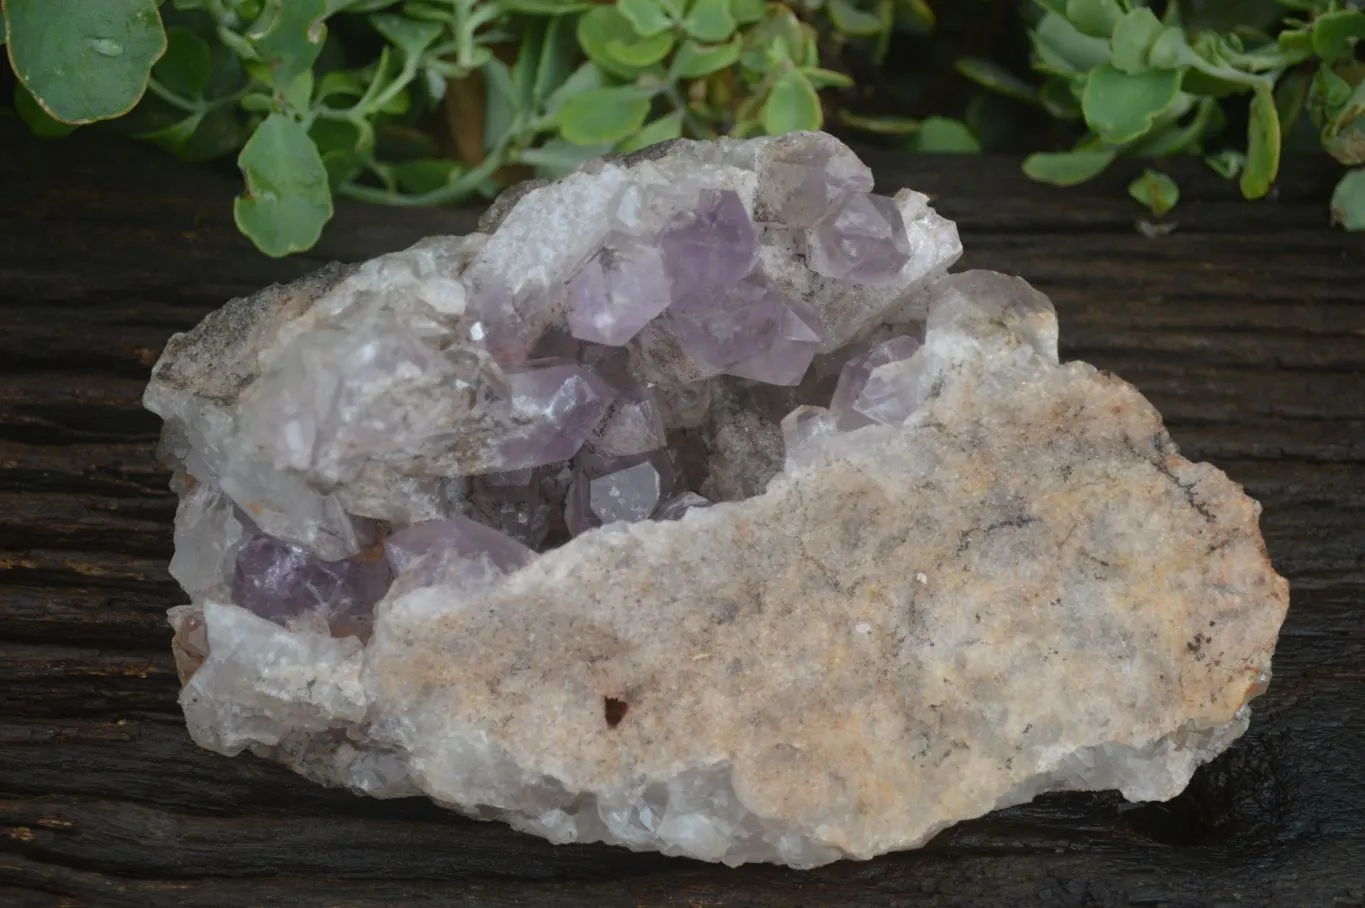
{"x": 695, "y": 506}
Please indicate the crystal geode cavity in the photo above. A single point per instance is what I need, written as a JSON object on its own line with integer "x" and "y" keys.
{"x": 692, "y": 505}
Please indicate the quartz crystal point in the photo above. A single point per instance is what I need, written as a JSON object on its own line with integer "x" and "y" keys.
{"x": 863, "y": 240}
{"x": 693, "y": 506}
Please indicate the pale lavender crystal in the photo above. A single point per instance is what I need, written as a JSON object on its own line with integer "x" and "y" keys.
{"x": 803, "y": 432}
{"x": 514, "y": 503}
{"x": 863, "y": 241}
{"x": 893, "y": 392}
{"x": 605, "y": 490}
{"x": 854, "y": 377}
{"x": 801, "y": 187}
{"x": 277, "y": 580}
{"x": 617, "y": 291}
{"x": 789, "y": 356}
{"x": 633, "y": 424}
{"x": 555, "y": 407}
{"x": 745, "y": 324}
{"x": 708, "y": 251}
{"x": 459, "y": 536}
{"x": 675, "y": 507}
{"x": 509, "y": 324}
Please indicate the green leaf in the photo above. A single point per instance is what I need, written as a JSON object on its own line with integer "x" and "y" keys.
{"x": 851, "y": 20}
{"x": 771, "y": 42}
{"x": 1328, "y": 96}
{"x": 558, "y": 54}
{"x": 648, "y": 17}
{"x": 710, "y": 21}
{"x": 411, "y": 36}
{"x": 1058, "y": 97}
{"x": 426, "y": 175}
{"x": 1155, "y": 190}
{"x": 695, "y": 60}
{"x": 1170, "y": 50}
{"x": 641, "y": 53}
{"x": 1263, "y": 146}
{"x": 991, "y": 75}
{"x": 84, "y": 60}
{"x": 603, "y": 116}
{"x": 546, "y": 7}
{"x": 1133, "y": 38}
{"x": 1094, "y": 17}
{"x": 1120, "y": 107}
{"x": 287, "y": 200}
{"x": 176, "y": 136}
{"x": 916, "y": 17}
{"x": 826, "y": 78}
{"x": 1344, "y": 136}
{"x": 186, "y": 66}
{"x": 39, "y": 122}
{"x": 1067, "y": 168}
{"x": 942, "y": 135}
{"x": 883, "y": 126}
{"x": 339, "y": 144}
{"x": 298, "y": 95}
{"x": 746, "y": 11}
{"x": 600, "y": 27}
{"x": 1348, "y": 201}
{"x": 586, "y": 78}
{"x": 667, "y": 127}
{"x": 340, "y": 83}
{"x": 792, "y": 105}
{"x": 1335, "y": 34}
{"x": 288, "y": 37}
{"x": 1059, "y": 48}
{"x": 1291, "y": 94}
{"x": 1227, "y": 163}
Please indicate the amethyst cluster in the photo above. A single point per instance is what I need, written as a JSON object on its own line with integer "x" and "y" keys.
{"x": 649, "y": 335}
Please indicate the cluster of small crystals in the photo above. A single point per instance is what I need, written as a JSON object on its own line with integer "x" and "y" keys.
{"x": 623, "y": 393}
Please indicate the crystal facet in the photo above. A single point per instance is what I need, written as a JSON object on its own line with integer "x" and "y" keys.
{"x": 617, "y": 291}
{"x": 708, "y": 251}
{"x": 864, "y": 241}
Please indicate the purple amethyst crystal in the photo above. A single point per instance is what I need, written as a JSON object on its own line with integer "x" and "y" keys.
{"x": 555, "y": 407}
{"x": 803, "y": 185}
{"x": 277, "y": 580}
{"x": 790, "y": 353}
{"x": 863, "y": 241}
{"x": 744, "y": 324}
{"x": 633, "y": 424}
{"x": 708, "y": 251}
{"x": 617, "y": 291}
{"x": 606, "y": 490}
{"x": 459, "y": 536}
{"x": 856, "y": 373}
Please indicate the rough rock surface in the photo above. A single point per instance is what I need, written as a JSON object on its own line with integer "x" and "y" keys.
{"x": 697, "y": 509}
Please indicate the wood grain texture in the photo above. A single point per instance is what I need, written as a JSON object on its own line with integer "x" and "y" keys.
{"x": 1245, "y": 327}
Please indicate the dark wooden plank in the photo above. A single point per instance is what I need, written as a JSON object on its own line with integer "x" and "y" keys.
{"x": 1246, "y": 327}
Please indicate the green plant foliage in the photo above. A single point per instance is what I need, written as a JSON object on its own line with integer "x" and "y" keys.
{"x": 943, "y": 135}
{"x": 1067, "y": 168}
{"x": 360, "y": 98}
{"x": 1150, "y": 87}
{"x": 1348, "y": 201}
{"x": 84, "y": 60}
{"x": 1156, "y": 191}
{"x": 287, "y": 200}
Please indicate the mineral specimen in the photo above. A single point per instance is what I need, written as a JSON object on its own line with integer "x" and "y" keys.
{"x": 693, "y": 506}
